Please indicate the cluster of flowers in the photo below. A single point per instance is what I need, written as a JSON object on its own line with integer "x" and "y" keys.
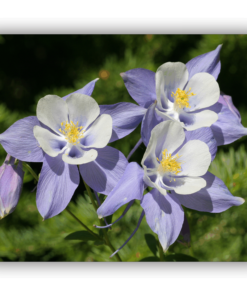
{"x": 183, "y": 117}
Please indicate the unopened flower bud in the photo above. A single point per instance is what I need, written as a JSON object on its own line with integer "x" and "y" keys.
{"x": 11, "y": 178}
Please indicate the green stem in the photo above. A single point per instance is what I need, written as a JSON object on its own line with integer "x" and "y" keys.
{"x": 90, "y": 195}
{"x": 31, "y": 171}
{"x": 101, "y": 223}
{"x": 161, "y": 252}
{"x": 108, "y": 242}
{"x": 83, "y": 225}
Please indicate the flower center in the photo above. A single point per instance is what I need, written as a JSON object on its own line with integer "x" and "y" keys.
{"x": 182, "y": 98}
{"x": 170, "y": 163}
{"x": 72, "y": 132}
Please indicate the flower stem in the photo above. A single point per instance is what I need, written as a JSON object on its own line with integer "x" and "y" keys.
{"x": 83, "y": 225}
{"x": 90, "y": 195}
{"x": 31, "y": 171}
{"x": 109, "y": 243}
{"x": 161, "y": 252}
{"x": 134, "y": 149}
{"x": 101, "y": 223}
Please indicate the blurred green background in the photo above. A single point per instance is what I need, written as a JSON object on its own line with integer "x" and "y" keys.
{"x": 34, "y": 66}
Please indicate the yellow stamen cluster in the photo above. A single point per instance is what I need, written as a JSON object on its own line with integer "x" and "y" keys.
{"x": 182, "y": 97}
{"x": 72, "y": 132}
{"x": 170, "y": 163}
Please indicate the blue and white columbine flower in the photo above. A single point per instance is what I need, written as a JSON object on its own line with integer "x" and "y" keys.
{"x": 177, "y": 171}
{"x": 181, "y": 99}
{"x": 142, "y": 85}
{"x": 76, "y": 135}
{"x": 76, "y": 128}
{"x": 67, "y": 132}
{"x": 170, "y": 166}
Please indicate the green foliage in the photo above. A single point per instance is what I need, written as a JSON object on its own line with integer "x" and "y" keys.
{"x": 150, "y": 259}
{"x": 81, "y": 235}
{"x": 179, "y": 258}
{"x": 32, "y": 69}
{"x": 171, "y": 258}
{"x": 152, "y": 243}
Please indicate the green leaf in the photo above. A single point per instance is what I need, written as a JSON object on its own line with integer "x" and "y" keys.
{"x": 150, "y": 259}
{"x": 27, "y": 178}
{"x": 102, "y": 197}
{"x": 152, "y": 243}
{"x": 98, "y": 243}
{"x": 179, "y": 258}
{"x": 81, "y": 235}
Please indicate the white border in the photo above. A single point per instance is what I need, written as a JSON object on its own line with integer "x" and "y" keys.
{"x": 123, "y": 23}
{"x": 166, "y": 272}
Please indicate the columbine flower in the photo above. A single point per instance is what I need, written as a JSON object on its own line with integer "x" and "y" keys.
{"x": 181, "y": 99}
{"x": 62, "y": 143}
{"x": 11, "y": 178}
{"x": 167, "y": 166}
{"x": 178, "y": 176}
{"x": 77, "y": 135}
{"x": 125, "y": 118}
{"x": 141, "y": 85}
{"x": 76, "y": 128}
{"x": 18, "y": 140}
{"x": 172, "y": 98}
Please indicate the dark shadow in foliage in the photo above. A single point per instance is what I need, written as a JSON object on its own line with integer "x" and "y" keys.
{"x": 180, "y": 258}
{"x": 40, "y": 255}
{"x": 152, "y": 243}
{"x": 33, "y": 63}
{"x": 171, "y": 258}
{"x": 181, "y": 44}
{"x": 150, "y": 259}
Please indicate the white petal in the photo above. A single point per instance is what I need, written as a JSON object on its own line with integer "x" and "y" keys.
{"x": 84, "y": 157}
{"x": 149, "y": 182}
{"x": 168, "y": 78}
{"x": 195, "y": 158}
{"x": 49, "y": 142}
{"x": 193, "y": 121}
{"x": 83, "y": 109}
{"x": 166, "y": 135}
{"x": 188, "y": 185}
{"x": 206, "y": 90}
{"x": 149, "y": 159}
{"x": 99, "y": 133}
{"x": 167, "y": 115}
{"x": 52, "y": 111}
